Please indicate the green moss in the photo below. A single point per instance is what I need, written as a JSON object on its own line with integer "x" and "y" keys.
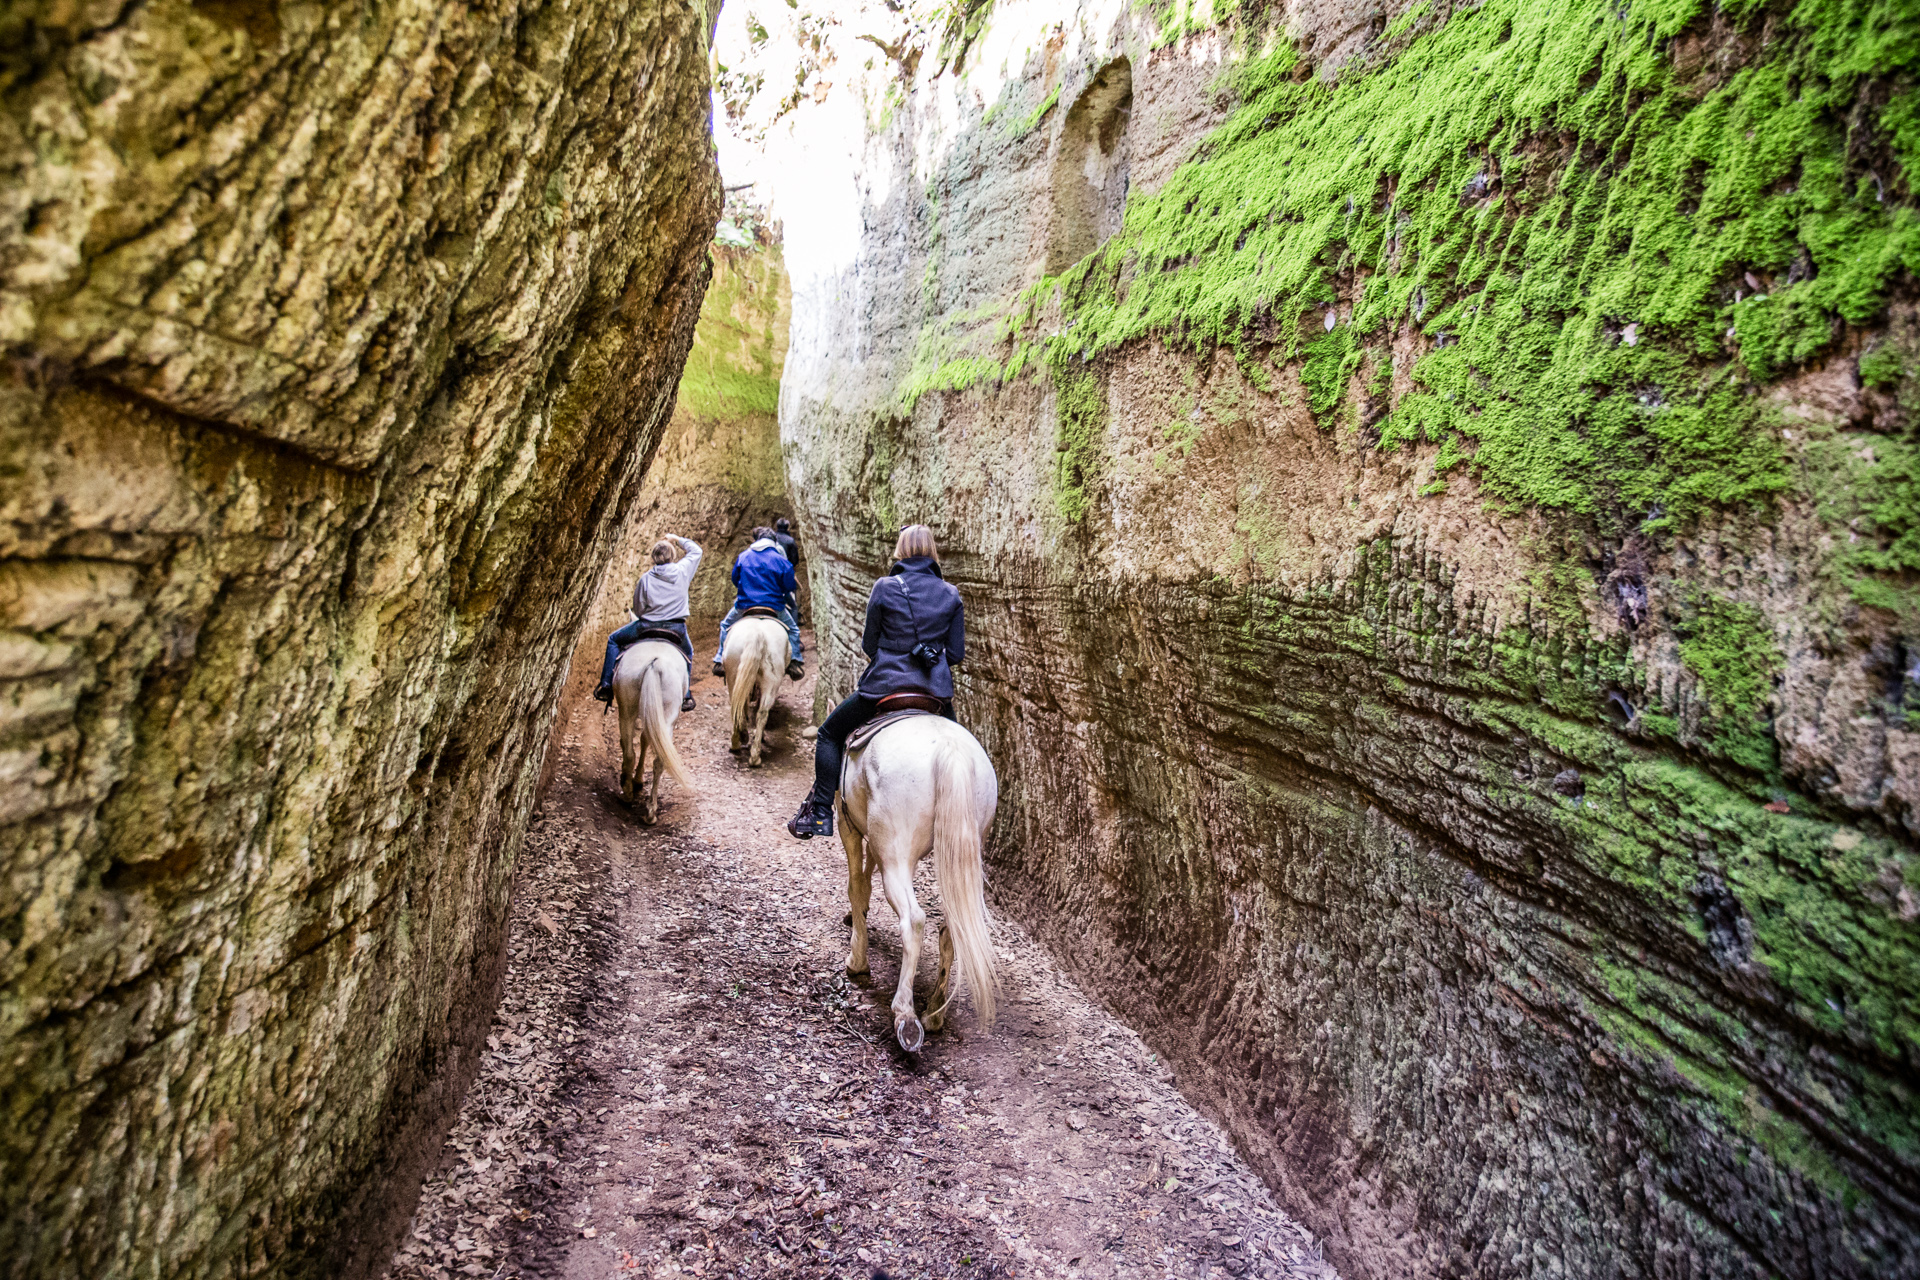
{"x": 733, "y": 369}
{"x": 1730, "y": 648}
{"x": 1031, "y": 121}
{"x": 1867, "y": 489}
{"x": 1174, "y": 20}
{"x": 1080, "y": 411}
{"x": 1570, "y": 214}
{"x": 1880, "y": 369}
{"x": 1329, "y": 365}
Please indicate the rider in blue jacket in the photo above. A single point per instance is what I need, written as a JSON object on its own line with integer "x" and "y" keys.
{"x": 916, "y": 634}
{"x": 763, "y": 578}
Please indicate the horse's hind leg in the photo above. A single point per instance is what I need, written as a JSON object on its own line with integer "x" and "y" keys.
{"x": 629, "y": 765}
{"x": 937, "y": 1002}
{"x": 760, "y": 714}
{"x": 897, "y": 875}
{"x": 859, "y": 893}
{"x": 653, "y": 797}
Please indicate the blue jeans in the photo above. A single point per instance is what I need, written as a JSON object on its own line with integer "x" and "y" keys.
{"x": 631, "y": 633}
{"x": 786, "y": 620}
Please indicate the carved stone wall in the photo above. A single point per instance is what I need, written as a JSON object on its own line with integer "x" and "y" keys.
{"x": 1526, "y": 878}
{"x": 337, "y": 338}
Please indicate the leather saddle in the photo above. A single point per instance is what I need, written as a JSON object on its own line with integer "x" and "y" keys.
{"x": 659, "y": 633}
{"x": 759, "y": 611}
{"x": 893, "y": 707}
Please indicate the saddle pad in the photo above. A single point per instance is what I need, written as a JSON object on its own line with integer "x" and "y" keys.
{"x": 759, "y": 611}
{"x": 864, "y": 734}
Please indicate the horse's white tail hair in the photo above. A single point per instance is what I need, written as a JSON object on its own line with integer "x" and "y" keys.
{"x": 654, "y": 716}
{"x": 957, "y": 865}
{"x": 752, "y": 667}
{"x": 743, "y": 687}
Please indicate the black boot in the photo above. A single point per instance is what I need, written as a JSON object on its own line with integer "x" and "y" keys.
{"x": 686, "y": 703}
{"x": 604, "y": 693}
{"x": 719, "y": 669}
{"x": 794, "y": 669}
{"x": 814, "y": 819}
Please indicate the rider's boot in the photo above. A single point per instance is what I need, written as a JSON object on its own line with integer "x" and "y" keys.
{"x": 795, "y": 669}
{"x": 720, "y": 668}
{"x": 814, "y": 819}
{"x": 687, "y": 703}
{"x": 604, "y": 693}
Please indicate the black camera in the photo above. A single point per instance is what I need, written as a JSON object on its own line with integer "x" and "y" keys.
{"x": 927, "y": 655}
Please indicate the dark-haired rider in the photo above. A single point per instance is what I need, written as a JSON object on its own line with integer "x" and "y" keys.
{"x": 916, "y": 634}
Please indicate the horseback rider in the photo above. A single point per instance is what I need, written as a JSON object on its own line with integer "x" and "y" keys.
{"x": 916, "y": 633}
{"x": 783, "y": 534}
{"x": 659, "y": 604}
{"x": 763, "y": 578}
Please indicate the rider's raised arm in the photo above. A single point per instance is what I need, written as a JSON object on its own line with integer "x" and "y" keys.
{"x": 691, "y": 561}
{"x": 870, "y": 638}
{"x": 957, "y": 635}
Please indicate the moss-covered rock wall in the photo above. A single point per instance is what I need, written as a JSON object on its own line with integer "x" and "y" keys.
{"x": 1440, "y": 590}
{"x": 336, "y": 339}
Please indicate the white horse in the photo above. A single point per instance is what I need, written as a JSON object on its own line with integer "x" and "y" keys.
{"x": 756, "y": 662}
{"x": 923, "y": 784}
{"x": 648, "y": 684}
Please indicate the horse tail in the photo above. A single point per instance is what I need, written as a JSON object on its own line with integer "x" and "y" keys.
{"x": 654, "y": 715}
{"x": 957, "y": 865}
{"x": 747, "y": 674}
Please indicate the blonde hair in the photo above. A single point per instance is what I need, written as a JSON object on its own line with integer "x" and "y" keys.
{"x": 664, "y": 552}
{"x": 915, "y": 540}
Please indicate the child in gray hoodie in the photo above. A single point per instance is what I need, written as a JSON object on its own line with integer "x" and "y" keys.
{"x": 659, "y": 604}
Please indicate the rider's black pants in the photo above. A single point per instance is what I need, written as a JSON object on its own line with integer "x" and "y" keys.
{"x": 831, "y": 745}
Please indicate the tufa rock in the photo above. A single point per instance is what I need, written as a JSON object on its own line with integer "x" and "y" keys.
{"x": 337, "y": 338}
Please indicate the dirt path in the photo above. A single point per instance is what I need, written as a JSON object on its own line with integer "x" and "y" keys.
{"x": 682, "y": 1081}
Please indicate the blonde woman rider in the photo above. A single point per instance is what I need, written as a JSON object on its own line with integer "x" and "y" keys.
{"x": 916, "y": 634}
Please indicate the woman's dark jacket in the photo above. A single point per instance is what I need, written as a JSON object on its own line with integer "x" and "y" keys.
{"x": 912, "y": 605}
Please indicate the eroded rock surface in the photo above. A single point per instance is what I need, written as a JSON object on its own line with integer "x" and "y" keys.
{"x": 1508, "y": 829}
{"x": 337, "y": 337}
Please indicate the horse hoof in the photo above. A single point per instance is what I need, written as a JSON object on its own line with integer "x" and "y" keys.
{"x": 912, "y": 1035}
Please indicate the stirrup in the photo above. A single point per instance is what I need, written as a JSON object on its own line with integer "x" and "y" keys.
{"x": 812, "y": 820}
{"x": 719, "y": 668}
{"x": 795, "y": 669}
{"x": 687, "y": 703}
{"x": 604, "y": 694}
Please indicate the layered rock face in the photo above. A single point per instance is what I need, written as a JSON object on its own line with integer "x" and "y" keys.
{"x": 336, "y": 338}
{"x": 1433, "y": 493}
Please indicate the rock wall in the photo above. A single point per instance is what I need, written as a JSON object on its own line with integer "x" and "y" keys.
{"x": 1433, "y": 491}
{"x": 337, "y": 338}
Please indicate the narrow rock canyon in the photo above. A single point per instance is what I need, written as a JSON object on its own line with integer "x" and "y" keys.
{"x": 1433, "y": 488}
